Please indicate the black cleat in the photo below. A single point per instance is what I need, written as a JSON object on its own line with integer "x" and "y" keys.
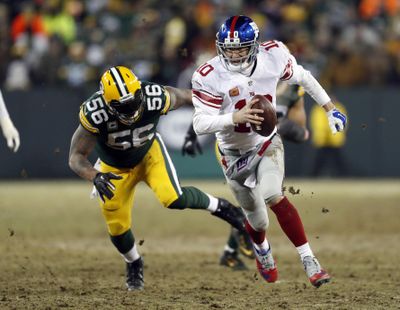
{"x": 231, "y": 214}
{"x": 134, "y": 275}
{"x": 231, "y": 260}
{"x": 244, "y": 241}
{"x": 245, "y": 245}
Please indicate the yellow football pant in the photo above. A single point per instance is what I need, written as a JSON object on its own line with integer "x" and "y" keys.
{"x": 156, "y": 170}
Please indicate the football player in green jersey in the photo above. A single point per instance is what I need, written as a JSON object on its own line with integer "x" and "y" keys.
{"x": 120, "y": 121}
{"x": 292, "y": 127}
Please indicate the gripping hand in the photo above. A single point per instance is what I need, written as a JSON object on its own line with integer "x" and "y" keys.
{"x": 102, "y": 182}
{"x": 191, "y": 145}
{"x": 337, "y": 120}
{"x": 10, "y": 133}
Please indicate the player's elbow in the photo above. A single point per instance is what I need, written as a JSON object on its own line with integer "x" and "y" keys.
{"x": 198, "y": 126}
{"x": 72, "y": 162}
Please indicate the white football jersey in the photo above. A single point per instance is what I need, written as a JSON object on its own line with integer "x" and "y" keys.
{"x": 217, "y": 91}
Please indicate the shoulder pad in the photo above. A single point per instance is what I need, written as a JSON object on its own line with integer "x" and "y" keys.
{"x": 93, "y": 113}
{"x": 156, "y": 98}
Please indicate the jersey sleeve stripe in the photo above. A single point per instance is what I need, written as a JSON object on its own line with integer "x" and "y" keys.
{"x": 288, "y": 73}
{"x": 208, "y": 97}
{"x": 85, "y": 123}
{"x": 216, "y": 106}
{"x": 167, "y": 102}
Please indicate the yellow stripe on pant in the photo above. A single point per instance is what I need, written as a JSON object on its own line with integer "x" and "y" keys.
{"x": 156, "y": 170}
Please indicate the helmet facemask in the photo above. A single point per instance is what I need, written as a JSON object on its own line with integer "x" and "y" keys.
{"x": 237, "y": 64}
{"x": 128, "y": 108}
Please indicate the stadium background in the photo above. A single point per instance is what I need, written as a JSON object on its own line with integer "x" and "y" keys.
{"x": 53, "y": 53}
{"x": 54, "y": 248}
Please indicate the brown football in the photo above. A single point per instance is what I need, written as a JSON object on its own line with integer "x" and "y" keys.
{"x": 269, "y": 115}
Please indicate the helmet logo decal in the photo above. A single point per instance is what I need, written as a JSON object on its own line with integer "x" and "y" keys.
{"x": 119, "y": 81}
{"x": 233, "y": 24}
{"x": 255, "y": 28}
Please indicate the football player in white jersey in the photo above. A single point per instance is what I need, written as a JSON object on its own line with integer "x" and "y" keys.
{"x": 292, "y": 119}
{"x": 253, "y": 164}
{"x": 9, "y": 131}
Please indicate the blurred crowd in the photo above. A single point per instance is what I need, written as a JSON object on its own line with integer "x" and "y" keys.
{"x": 344, "y": 43}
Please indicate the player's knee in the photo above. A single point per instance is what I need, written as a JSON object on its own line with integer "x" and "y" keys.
{"x": 117, "y": 228}
{"x": 259, "y": 221}
{"x": 178, "y": 204}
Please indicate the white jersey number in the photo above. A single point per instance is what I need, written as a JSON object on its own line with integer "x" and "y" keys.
{"x": 155, "y": 102}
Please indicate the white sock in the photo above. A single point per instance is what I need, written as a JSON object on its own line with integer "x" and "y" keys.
{"x": 304, "y": 250}
{"x": 264, "y": 246}
{"x": 227, "y": 248}
{"x": 131, "y": 255}
{"x": 213, "y": 205}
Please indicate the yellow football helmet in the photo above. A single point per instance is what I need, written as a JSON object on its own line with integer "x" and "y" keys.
{"x": 122, "y": 92}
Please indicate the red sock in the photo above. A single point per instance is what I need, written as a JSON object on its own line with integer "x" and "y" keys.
{"x": 290, "y": 222}
{"x": 258, "y": 237}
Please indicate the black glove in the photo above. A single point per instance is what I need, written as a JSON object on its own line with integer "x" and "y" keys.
{"x": 191, "y": 145}
{"x": 103, "y": 184}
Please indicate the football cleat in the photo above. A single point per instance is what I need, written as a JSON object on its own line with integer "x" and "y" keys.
{"x": 231, "y": 214}
{"x": 134, "y": 275}
{"x": 266, "y": 265}
{"x": 315, "y": 273}
{"x": 245, "y": 246}
{"x": 231, "y": 260}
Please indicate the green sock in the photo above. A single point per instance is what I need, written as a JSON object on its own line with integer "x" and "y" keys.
{"x": 191, "y": 198}
{"x": 232, "y": 241}
{"x": 123, "y": 242}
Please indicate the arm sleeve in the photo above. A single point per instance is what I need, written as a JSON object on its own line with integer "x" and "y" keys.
{"x": 3, "y": 109}
{"x": 296, "y": 74}
{"x": 291, "y": 131}
{"x": 207, "y": 118}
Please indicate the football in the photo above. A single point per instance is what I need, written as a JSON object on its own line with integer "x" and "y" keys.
{"x": 269, "y": 115}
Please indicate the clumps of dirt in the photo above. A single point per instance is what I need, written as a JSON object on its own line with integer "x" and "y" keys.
{"x": 291, "y": 190}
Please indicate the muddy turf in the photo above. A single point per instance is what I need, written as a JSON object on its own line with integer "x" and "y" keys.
{"x": 55, "y": 252}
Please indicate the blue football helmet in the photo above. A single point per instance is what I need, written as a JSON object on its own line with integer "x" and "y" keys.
{"x": 235, "y": 33}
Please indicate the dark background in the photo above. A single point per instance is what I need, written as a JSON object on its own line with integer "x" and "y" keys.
{"x": 47, "y": 117}
{"x": 52, "y": 54}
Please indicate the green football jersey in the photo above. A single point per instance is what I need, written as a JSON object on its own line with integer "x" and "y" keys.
{"x": 120, "y": 145}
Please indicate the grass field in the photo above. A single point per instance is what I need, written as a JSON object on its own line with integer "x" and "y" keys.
{"x": 55, "y": 252}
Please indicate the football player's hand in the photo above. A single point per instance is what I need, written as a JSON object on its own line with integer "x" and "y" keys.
{"x": 10, "y": 133}
{"x": 337, "y": 120}
{"x": 191, "y": 146}
{"x": 248, "y": 115}
{"x": 102, "y": 182}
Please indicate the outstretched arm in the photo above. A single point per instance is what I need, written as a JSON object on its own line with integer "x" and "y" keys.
{"x": 82, "y": 145}
{"x": 179, "y": 97}
{"x": 9, "y": 131}
{"x": 292, "y": 127}
{"x": 191, "y": 145}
